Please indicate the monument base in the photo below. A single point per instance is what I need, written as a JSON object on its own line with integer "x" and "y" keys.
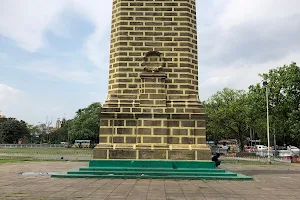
{"x": 152, "y": 169}
{"x": 152, "y": 152}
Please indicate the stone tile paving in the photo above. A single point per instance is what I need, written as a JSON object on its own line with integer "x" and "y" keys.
{"x": 271, "y": 182}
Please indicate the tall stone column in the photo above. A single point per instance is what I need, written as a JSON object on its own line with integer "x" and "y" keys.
{"x": 153, "y": 110}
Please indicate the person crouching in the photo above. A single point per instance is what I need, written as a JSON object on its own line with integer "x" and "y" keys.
{"x": 215, "y": 159}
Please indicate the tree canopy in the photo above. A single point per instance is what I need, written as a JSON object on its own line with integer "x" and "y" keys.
{"x": 227, "y": 112}
{"x": 234, "y": 113}
{"x": 284, "y": 103}
{"x": 86, "y": 125}
{"x": 11, "y": 131}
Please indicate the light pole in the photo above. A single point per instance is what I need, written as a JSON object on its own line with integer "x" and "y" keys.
{"x": 265, "y": 84}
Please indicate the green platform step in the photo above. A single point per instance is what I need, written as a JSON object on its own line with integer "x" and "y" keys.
{"x": 153, "y": 169}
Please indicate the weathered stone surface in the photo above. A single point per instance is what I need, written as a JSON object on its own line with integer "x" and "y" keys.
{"x": 200, "y": 132}
{"x": 181, "y": 155}
{"x": 201, "y": 124}
{"x": 161, "y": 131}
{"x": 118, "y": 139}
{"x": 103, "y": 139}
{"x": 187, "y": 140}
{"x": 204, "y": 155}
{"x": 180, "y": 132}
{"x": 106, "y": 130}
{"x": 144, "y": 131}
{"x": 152, "y": 154}
{"x": 99, "y": 153}
{"x": 104, "y": 122}
{"x": 171, "y": 140}
{"x": 131, "y": 140}
{"x": 123, "y": 131}
{"x": 151, "y": 139}
{"x": 122, "y": 154}
{"x": 131, "y": 122}
{"x": 171, "y": 123}
{"x": 152, "y": 123}
{"x": 201, "y": 140}
{"x": 187, "y": 124}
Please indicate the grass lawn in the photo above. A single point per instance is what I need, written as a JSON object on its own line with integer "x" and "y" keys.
{"x": 46, "y": 150}
{"x": 13, "y": 160}
{"x": 43, "y": 154}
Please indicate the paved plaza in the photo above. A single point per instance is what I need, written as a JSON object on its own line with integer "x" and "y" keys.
{"x": 270, "y": 182}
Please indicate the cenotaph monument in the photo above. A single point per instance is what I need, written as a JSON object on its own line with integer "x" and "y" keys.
{"x": 152, "y": 123}
{"x": 153, "y": 110}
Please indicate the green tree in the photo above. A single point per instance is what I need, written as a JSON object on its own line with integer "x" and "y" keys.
{"x": 284, "y": 103}
{"x": 33, "y": 129}
{"x": 257, "y": 115}
{"x": 1, "y": 134}
{"x": 85, "y": 125}
{"x": 61, "y": 134}
{"x": 12, "y": 130}
{"x": 227, "y": 115}
{"x": 3, "y": 120}
{"x": 232, "y": 113}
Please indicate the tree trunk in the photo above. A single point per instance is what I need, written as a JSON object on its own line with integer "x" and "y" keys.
{"x": 242, "y": 144}
{"x": 241, "y": 139}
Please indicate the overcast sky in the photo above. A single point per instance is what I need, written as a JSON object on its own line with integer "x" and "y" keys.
{"x": 54, "y": 54}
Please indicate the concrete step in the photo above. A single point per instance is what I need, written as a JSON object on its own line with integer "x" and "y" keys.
{"x": 150, "y": 173}
{"x": 217, "y": 170}
{"x": 207, "y": 177}
{"x": 167, "y": 164}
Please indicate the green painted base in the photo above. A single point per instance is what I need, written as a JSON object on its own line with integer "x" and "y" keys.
{"x": 153, "y": 169}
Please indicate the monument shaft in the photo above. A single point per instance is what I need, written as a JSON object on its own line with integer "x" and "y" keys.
{"x": 152, "y": 110}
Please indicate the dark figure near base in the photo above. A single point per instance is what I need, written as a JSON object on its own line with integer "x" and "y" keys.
{"x": 215, "y": 158}
{"x": 228, "y": 149}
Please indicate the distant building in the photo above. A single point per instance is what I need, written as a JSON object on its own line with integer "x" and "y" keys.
{"x": 58, "y": 123}
{"x": 63, "y": 121}
{"x": 43, "y": 128}
{"x": 3, "y": 117}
